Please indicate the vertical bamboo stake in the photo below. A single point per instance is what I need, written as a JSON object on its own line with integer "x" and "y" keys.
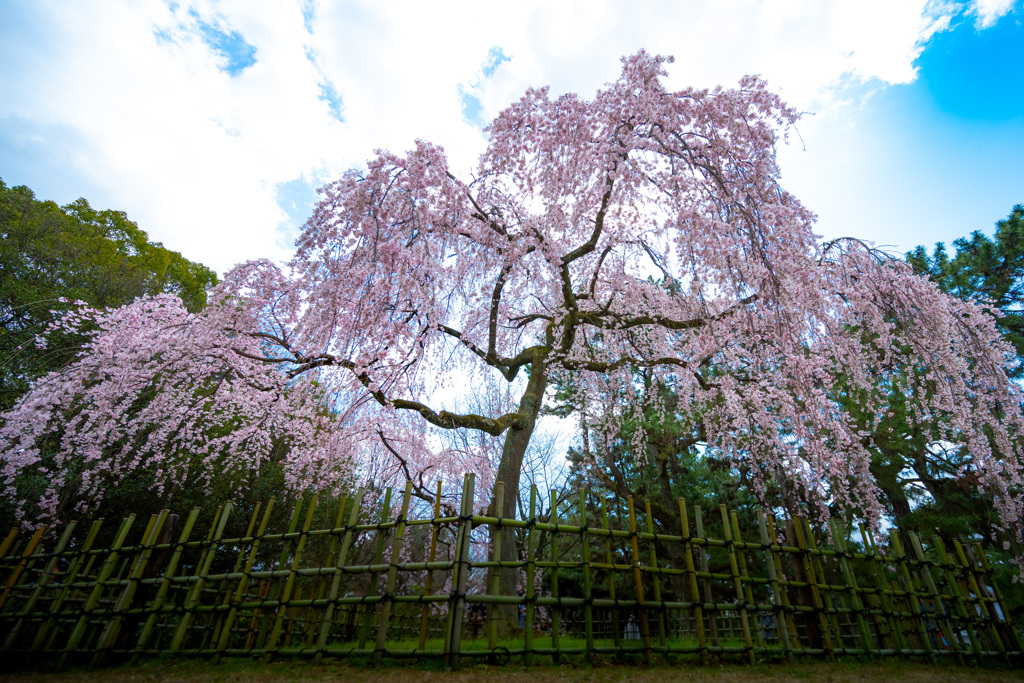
{"x": 70, "y": 577}
{"x": 493, "y": 589}
{"x": 984, "y": 608}
{"x": 788, "y": 614}
{"x": 16, "y": 574}
{"x": 94, "y": 597}
{"x": 805, "y": 541}
{"x": 396, "y": 549}
{"x": 45, "y": 579}
{"x": 915, "y": 604}
{"x": 656, "y": 577}
{"x": 223, "y": 618}
{"x": 698, "y": 611}
{"x": 109, "y": 635}
{"x": 556, "y": 610}
{"x": 698, "y": 513}
{"x": 588, "y": 612}
{"x": 431, "y": 557}
{"x": 243, "y": 583}
{"x": 220, "y": 520}
{"x": 458, "y": 609}
{"x": 940, "y": 607}
{"x": 165, "y": 585}
{"x": 531, "y": 589}
{"x": 611, "y": 572}
{"x": 850, "y": 579}
{"x": 8, "y": 542}
{"x": 1006, "y": 621}
{"x": 645, "y": 631}
{"x": 737, "y": 584}
{"x": 346, "y": 544}
{"x": 773, "y": 577}
{"x": 958, "y": 599}
{"x": 282, "y": 608}
{"x": 364, "y": 632}
{"x": 745, "y": 577}
{"x": 884, "y": 597}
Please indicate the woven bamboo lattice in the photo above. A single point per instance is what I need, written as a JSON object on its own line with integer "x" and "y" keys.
{"x": 594, "y": 578}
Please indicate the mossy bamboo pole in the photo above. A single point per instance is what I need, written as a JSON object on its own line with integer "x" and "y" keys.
{"x": 588, "y": 611}
{"x": 211, "y": 545}
{"x": 957, "y": 595}
{"x": 698, "y": 515}
{"x": 805, "y": 541}
{"x": 69, "y": 579}
{"x": 698, "y": 610}
{"x": 645, "y": 631}
{"x": 283, "y": 604}
{"x": 737, "y": 583}
{"x": 609, "y": 558}
{"x": 225, "y": 621}
{"x": 531, "y": 588}
{"x": 852, "y": 587}
{"x": 936, "y": 597}
{"x": 108, "y": 638}
{"x": 332, "y": 595}
{"x": 24, "y": 564}
{"x": 777, "y": 556}
{"x": 980, "y": 591}
{"x": 97, "y": 591}
{"x": 458, "y": 608}
{"x": 745, "y": 578}
{"x": 494, "y": 587}
{"x": 656, "y": 579}
{"x": 165, "y": 585}
{"x": 431, "y": 557}
{"x": 1007, "y": 622}
{"x": 778, "y": 612}
{"x": 889, "y": 618}
{"x": 915, "y": 604}
{"x": 243, "y": 583}
{"x": 556, "y": 610}
{"x": 378, "y": 553}
{"x": 396, "y": 550}
{"x": 42, "y": 584}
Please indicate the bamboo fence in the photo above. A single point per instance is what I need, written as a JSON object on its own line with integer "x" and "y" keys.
{"x": 594, "y": 579}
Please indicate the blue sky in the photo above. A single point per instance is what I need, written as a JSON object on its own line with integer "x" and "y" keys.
{"x": 212, "y": 122}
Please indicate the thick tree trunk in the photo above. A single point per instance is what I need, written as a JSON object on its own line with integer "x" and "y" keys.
{"x": 517, "y": 439}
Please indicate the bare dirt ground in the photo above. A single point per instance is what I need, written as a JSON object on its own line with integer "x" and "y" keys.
{"x": 249, "y": 672}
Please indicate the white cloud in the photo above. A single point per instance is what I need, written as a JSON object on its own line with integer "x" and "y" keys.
{"x": 988, "y": 12}
{"x": 195, "y": 154}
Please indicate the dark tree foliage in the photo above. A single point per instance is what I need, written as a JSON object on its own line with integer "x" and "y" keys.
{"x": 986, "y": 269}
{"x": 51, "y": 255}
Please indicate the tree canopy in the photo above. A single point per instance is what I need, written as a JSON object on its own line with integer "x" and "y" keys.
{"x": 52, "y": 255}
{"x": 644, "y": 229}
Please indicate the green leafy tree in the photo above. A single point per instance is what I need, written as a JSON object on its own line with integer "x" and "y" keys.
{"x": 52, "y": 255}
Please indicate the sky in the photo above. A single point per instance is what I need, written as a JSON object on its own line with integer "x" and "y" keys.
{"x": 212, "y": 123}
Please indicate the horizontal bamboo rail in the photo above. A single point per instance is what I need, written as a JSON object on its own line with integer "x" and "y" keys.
{"x": 596, "y": 578}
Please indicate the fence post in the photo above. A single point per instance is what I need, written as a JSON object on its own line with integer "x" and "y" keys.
{"x": 850, "y": 579}
{"x": 339, "y": 566}
{"x": 698, "y": 610}
{"x": 656, "y": 576}
{"x": 737, "y": 583}
{"x": 431, "y": 557}
{"x": 165, "y": 585}
{"x": 25, "y": 563}
{"x": 940, "y": 607}
{"x": 389, "y": 589}
{"x": 645, "y": 630}
{"x": 768, "y": 544}
{"x": 495, "y": 583}
{"x": 588, "y": 611}
{"x": 611, "y": 572}
{"x": 286, "y": 594}
{"x": 458, "y": 608}
{"x": 531, "y": 589}
{"x": 94, "y": 596}
{"x": 698, "y": 513}
{"x": 220, "y": 520}
{"x": 919, "y": 616}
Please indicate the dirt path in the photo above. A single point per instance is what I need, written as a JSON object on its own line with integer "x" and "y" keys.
{"x": 248, "y": 672}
